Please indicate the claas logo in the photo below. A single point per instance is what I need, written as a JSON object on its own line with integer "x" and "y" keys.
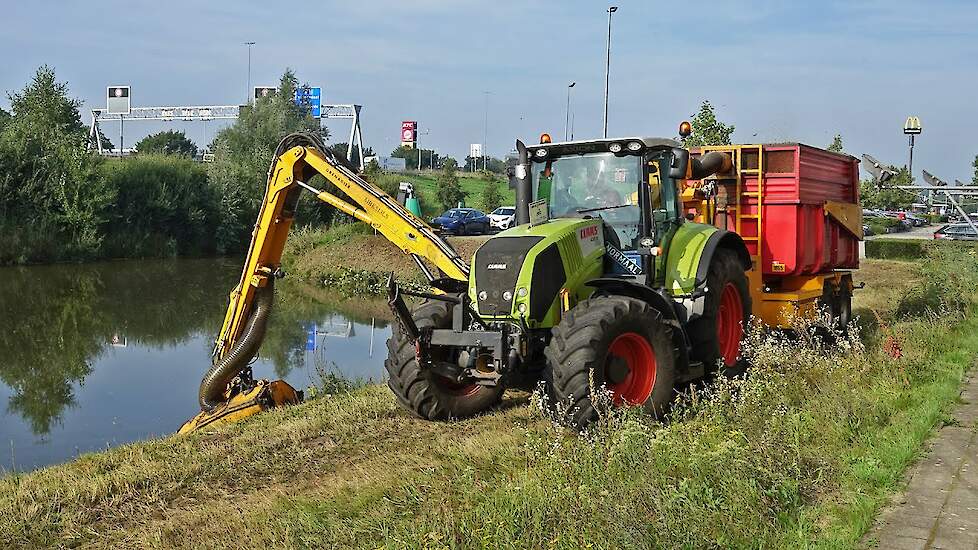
{"x": 588, "y": 232}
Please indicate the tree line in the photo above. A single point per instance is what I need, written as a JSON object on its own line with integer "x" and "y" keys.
{"x": 61, "y": 202}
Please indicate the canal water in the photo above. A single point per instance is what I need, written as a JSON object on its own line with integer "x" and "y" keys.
{"x": 97, "y": 355}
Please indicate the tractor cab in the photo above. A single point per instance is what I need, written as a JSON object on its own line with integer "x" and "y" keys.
{"x": 631, "y": 185}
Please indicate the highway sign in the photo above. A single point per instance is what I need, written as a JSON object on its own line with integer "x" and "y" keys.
{"x": 311, "y": 97}
{"x": 117, "y": 100}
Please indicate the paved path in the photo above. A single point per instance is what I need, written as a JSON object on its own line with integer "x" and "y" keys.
{"x": 940, "y": 507}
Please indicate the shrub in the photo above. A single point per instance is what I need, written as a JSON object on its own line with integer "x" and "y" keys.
{"x": 895, "y": 249}
{"x": 165, "y": 206}
{"x": 949, "y": 282}
{"x": 913, "y": 249}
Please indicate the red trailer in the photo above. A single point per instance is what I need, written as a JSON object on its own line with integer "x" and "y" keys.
{"x": 797, "y": 209}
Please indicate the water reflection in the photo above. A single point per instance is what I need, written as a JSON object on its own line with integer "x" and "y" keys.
{"x": 101, "y": 354}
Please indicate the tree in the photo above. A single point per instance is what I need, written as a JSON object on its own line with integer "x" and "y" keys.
{"x": 836, "y": 146}
{"x": 974, "y": 179}
{"x": 410, "y": 156}
{"x": 168, "y": 142}
{"x": 491, "y": 197}
{"x": 243, "y": 152}
{"x": 886, "y": 197}
{"x": 707, "y": 130}
{"x": 339, "y": 149}
{"x": 449, "y": 191}
{"x": 48, "y": 181}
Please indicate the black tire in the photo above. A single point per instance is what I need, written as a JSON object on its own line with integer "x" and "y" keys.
{"x": 421, "y": 391}
{"x": 836, "y": 303}
{"x": 725, "y": 269}
{"x": 580, "y": 352}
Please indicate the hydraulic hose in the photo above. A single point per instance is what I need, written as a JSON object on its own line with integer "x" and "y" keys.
{"x": 709, "y": 164}
{"x": 224, "y": 370}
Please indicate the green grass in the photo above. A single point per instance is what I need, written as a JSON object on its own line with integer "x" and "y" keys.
{"x": 472, "y": 184}
{"x": 801, "y": 454}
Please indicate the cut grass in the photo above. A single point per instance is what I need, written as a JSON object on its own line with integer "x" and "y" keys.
{"x": 801, "y": 454}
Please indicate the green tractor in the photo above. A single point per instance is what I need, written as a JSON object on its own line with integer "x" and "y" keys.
{"x": 602, "y": 286}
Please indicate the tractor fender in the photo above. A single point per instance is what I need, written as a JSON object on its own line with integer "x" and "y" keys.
{"x": 624, "y": 287}
{"x": 722, "y": 239}
{"x": 688, "y": 262}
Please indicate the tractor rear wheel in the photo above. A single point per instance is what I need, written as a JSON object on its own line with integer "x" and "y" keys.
{"x": 716, "y": 336}
{"x": 422, "y": 391}
{"x": 616, "y": 344}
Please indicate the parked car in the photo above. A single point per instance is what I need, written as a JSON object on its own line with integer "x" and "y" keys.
{"x": 956, "y": 232}
{"x": 867, "y": 231}
{"x": 503, "y": 217}
{"x": 462, "y": 221}
{"x": 915, "y": 220}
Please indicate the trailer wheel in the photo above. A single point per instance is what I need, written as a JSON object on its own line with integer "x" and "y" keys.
{"x": 609, "y": 343}
{"x": 716, "y": 336}
{"x": 837, "y": 304}
{"x": 425, "y": 393}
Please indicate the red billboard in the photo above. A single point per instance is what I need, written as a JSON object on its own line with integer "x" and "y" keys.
{"x": 409, "y": 132}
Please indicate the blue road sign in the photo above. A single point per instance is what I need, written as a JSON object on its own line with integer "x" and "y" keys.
{"x": 311, "y": 97}
{"x": 311, "y": 337}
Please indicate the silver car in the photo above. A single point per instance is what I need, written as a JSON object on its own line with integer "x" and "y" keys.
{"x": 956, "y": 232}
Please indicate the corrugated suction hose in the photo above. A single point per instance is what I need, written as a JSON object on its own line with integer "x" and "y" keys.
{"x": 236, "y": 360}
{"x": 711, "y": 163}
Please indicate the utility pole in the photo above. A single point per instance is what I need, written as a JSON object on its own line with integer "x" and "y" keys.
{"x": 567, "y": 112}
{"x": 485, "y": 134}
{"x": 248, "y": 93}
{"x": 607, "y": 71}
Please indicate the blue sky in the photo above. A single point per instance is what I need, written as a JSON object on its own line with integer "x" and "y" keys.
{"x": 798, "y": 71}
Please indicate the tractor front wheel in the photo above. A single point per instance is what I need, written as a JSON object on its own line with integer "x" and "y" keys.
{"x": 612, "y": 344}
{"x": 424, "y": 392}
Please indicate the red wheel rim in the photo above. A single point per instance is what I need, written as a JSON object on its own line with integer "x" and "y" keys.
{"x": 730, "y": 329}
{"x": 639, "y": 358}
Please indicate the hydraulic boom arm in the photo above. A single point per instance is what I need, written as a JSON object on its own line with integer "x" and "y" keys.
{"x": 298, "y": 158}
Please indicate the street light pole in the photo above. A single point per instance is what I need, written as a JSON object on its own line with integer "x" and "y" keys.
{"x": 607, "y": 71}
{"x": 248, "y": 94}
{"x": 567, "y": 111}
{"x": 485, "y": 134}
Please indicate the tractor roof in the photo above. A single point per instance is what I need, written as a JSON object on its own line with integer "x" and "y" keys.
{"x": 599, "y": 145}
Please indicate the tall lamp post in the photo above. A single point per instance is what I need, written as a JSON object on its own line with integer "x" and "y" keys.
{"x": 485, "y": 135}
{"x": 607, "y": 71}
{"x": 911, "y": 128}
{"x": 248, "y": 94}
{"x": 567, "y": 111}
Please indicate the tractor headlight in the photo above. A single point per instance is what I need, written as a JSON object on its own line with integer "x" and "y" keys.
{"x": 507, "y": 295}
{"x": 483, "y": 295}
{"x": 541, "y": 153}
{"x": 521, "y": 308}
{"x": 521, "y": 292}
{"x": 615, "y": 148}
{"x": 634, "y": 146}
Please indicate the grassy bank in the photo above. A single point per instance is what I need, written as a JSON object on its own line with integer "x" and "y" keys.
{"x": 351, "y": 258}
{"x": 800, "y": 454}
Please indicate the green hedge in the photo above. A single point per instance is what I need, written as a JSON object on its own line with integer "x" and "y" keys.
{"x": 910, "y": 249}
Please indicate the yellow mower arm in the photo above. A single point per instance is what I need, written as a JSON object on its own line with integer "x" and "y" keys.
{"x": 300, "y": 156}
{"x": 377, "y": 208}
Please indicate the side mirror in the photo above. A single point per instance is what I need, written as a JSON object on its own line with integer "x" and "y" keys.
{"x": 680, "y": 163}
